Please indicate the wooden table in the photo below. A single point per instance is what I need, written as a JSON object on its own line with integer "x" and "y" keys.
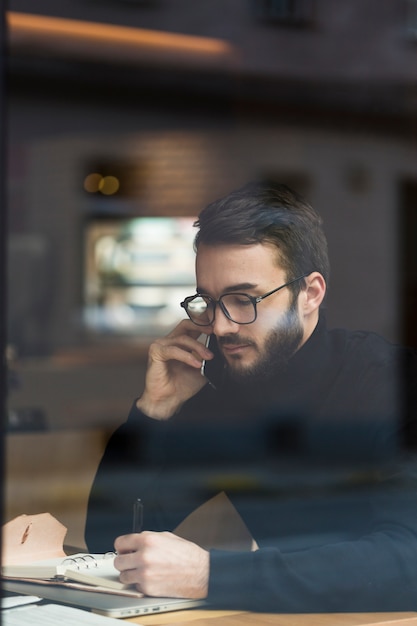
{"x": 200, "y": 617}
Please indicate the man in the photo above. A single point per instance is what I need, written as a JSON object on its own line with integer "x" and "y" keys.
{"x": 286, "y": 389}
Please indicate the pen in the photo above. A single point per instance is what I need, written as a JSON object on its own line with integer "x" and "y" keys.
{"x": 137, "y": 516}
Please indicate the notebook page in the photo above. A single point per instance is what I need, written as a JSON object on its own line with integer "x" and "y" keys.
{"x": 94, "y": 571}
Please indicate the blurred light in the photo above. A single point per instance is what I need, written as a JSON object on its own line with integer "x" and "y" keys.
{"x": 109, "y": 185}
{"x": 92, "y": 182}
{"x": 41, "y": 34}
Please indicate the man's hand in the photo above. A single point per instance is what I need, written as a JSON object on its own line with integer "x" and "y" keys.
{"x": 162, "y": 564}
{"x": 173, "y": 374}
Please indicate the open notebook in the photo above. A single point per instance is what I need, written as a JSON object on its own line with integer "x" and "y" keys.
{"x": 82, "y": 580}
{"x": 91, "y": 569}
{"x": 73, "y": 579}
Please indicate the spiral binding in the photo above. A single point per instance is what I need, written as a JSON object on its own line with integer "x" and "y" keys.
{"x": 86, "y": 561}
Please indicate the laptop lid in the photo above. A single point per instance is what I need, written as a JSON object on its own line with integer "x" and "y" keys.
{"x": 103, "y": 603}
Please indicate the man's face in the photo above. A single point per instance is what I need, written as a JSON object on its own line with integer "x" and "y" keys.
{"x": 254, "y": 350}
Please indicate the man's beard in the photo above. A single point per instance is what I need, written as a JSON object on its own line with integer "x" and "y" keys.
{"x": 280, "y": 345}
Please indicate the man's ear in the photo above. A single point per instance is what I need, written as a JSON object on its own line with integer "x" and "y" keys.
{"x": 313, "y": 294}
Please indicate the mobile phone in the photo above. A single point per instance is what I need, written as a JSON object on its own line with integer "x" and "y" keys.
{"x": 213, "y": 369}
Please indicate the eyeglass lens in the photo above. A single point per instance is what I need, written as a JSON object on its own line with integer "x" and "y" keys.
{"x": 238, "y": 307}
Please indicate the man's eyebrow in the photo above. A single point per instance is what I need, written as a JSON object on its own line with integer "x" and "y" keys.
{"x": 228, "y": 288}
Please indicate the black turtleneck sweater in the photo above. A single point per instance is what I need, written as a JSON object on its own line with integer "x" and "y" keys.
{"x": 312, "y": 459}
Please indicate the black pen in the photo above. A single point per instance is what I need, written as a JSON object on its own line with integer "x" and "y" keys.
{"x": 137, "y": 516}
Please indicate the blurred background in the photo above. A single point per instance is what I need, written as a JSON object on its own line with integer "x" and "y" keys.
{"x": 124, "y": 118}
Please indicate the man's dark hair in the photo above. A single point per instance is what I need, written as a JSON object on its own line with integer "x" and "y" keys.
{"x": 260, "y": 213}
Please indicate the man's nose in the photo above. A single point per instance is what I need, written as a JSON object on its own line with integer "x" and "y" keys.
{"x": 222, "y": 325}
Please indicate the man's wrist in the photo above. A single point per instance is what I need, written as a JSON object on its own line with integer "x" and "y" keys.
{"x": 156, "y": 410}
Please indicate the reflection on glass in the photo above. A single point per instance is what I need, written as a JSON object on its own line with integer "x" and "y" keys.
{"x": 137, "y": 270}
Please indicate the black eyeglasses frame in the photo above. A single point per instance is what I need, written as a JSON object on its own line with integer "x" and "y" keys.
{"x": 254, "y": 299}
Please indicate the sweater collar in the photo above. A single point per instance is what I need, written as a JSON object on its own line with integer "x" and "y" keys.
{"x": 306, "y": 366}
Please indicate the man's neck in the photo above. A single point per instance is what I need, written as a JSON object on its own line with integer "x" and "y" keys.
{"x": 310, "y": 324}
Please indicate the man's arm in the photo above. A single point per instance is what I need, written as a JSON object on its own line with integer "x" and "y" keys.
{"x": 172, "y": 377}
{"x": 375, "y": 573}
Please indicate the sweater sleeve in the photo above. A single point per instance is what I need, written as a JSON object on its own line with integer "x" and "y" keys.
{"x": 374, "y": 573}
{"x": 138, "y": 461}
{"x": 126, "y": 472}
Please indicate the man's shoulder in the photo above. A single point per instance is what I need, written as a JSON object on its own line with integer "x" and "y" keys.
{"x": 366, "y": 346}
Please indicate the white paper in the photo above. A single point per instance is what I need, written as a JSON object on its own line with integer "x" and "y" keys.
{"x": 53, "y": 614}
{"x": 13, "y": 601}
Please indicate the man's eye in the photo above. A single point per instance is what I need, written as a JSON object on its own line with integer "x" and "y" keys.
{"x": 239, "y": 300}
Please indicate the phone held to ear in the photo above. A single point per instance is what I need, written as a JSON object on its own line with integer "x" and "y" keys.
{"x": 213, "y": 369}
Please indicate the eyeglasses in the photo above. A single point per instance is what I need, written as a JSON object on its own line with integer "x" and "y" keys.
{"x": 237, "y": 307}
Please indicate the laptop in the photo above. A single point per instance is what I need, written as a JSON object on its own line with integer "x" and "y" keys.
{"x": 107, "y": 604}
